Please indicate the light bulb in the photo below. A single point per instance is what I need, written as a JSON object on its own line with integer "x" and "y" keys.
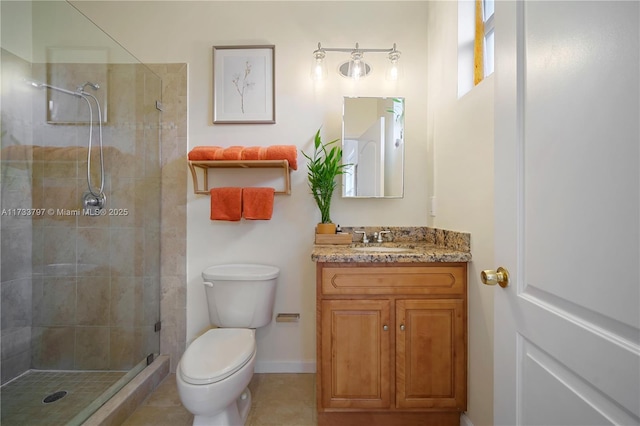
{"x": 318, "y": 66}
{"x": 393, "y": 69}
{"x": 356, "y": 70}
{"x": 356, "y": 66}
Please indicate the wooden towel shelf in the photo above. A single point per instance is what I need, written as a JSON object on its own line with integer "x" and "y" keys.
{"x": 237, "y": 164}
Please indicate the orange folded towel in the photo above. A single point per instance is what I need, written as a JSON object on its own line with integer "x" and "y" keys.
{"x": 219, "y": 154}
{"x": 262, "y": 153}
{"x": 251, "y": 153}
{"x": 257, "y": 203}
{"x": 236, "y": 152}
{"x": 204, "y": 153}
{"x": 226, "y": 203}
{"x": 284, "y": 152}
{"x": 233, "y": 153}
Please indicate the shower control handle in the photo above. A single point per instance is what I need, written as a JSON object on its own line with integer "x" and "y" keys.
{"x": 92, "y": 203}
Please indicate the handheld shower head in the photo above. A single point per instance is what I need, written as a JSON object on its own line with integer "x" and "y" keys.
{"x": 94, "y": 86}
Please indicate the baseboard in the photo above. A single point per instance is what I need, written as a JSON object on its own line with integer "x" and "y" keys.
{"x": 308, "y": 366}
{"x": 464, "y": 420}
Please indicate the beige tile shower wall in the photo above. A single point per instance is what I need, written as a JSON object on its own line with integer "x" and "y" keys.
{"x": 97, "y": 315}
{"x": 96, "y": 280}
{"x": 174, "y": 200}
{"x": 15, "y": 181}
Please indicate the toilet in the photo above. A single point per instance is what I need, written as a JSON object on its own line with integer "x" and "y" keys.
{"x": 215, "y": 370}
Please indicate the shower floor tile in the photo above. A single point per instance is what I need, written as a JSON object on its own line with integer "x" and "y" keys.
{"x": 22, "y": 399}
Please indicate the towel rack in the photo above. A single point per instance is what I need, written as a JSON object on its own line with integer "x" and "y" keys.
{"x": 237, "y": 164}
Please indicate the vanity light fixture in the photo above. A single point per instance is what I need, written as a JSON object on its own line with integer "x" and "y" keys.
{"x": 356, "y": 67}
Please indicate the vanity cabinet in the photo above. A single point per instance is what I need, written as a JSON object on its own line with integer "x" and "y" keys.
{"x": 391, "y": 343}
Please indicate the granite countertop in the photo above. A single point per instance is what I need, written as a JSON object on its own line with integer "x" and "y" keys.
{"x": 426, "y": 245}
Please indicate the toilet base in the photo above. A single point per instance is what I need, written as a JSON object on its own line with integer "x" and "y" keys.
{"x": 234, "y": 415}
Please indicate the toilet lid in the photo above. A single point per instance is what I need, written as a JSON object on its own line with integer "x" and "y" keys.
{"x": 241, "y": 272}
{"x": 217, "y": 354}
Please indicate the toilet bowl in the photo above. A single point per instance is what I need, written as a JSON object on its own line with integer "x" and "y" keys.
{"x": 215, "y": 370}
{"x": 214, "y": 388}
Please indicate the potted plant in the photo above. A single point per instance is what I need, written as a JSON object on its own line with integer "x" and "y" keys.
{"x": 323, "y": 167}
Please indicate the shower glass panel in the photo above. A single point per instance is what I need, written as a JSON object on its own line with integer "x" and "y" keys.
{"x": 79, "y": 283}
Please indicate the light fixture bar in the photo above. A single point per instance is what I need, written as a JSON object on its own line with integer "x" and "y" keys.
{"x": 357, "y": 48}
{"x": 356, "y": 67}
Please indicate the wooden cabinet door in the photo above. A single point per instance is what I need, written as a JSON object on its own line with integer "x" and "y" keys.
{"x": 355, "y": 354}
{"x": 430, "y": 354}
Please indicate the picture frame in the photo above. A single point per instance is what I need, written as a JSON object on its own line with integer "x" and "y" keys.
{"x": 244, "y": 84}
{"x": 68, "y": 68}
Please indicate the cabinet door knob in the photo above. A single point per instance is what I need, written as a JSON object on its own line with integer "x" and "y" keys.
{"x": 385, "y": 327}
{"x": 401, "y": 327}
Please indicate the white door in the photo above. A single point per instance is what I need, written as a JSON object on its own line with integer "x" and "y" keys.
{"x": 567, "y": 203}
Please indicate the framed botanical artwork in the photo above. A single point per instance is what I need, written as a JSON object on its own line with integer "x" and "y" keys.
{"x": 244, "y": 84}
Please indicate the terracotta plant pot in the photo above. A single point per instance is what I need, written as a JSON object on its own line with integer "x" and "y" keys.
{"x": 326, "y": 228}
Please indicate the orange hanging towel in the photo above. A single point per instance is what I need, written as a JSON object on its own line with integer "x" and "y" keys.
{"x": 257, "y": 203}
{"x": 226, "y": 203}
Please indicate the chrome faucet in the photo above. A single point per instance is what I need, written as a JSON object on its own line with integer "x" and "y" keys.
{"x": 365, "y": 240}
{"x": 379, "y": 235}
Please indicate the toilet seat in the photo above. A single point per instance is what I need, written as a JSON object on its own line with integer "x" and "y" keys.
{"x": 217, "y": 354}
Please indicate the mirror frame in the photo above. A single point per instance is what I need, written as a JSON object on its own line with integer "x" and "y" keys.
{"x": 394, "y": 113}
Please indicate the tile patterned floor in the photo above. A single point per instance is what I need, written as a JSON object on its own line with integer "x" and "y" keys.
{"x": 22, "y": 399}
{"x": 278, "y": 400}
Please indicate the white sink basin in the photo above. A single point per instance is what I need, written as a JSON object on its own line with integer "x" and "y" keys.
{"x": 379, "y": 249}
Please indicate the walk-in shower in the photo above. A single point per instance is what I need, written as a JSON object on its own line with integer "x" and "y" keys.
{"x": 93, "y": 200}
{"x": 79, "y": 279}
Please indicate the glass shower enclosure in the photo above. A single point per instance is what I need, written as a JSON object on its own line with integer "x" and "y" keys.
{"x": 80, "y": 214}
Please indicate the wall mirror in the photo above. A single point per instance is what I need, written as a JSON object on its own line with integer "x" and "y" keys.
{"x": 373, "y": 145}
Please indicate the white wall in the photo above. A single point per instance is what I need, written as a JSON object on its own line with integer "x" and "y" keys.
{"x": 16, "y": 32}
{"x": 180, "y": 31}
{"x": 461, "y": 138}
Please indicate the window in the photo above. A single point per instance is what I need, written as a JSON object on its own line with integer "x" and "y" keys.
{"x": 475, "y": 42}
{"x": 483, "y": 39}
{"x": 488, "y": 10}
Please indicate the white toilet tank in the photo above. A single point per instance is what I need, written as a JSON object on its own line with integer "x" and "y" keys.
{"x": 240, "y": 295}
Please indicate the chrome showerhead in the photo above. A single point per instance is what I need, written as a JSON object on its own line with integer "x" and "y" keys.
{"x": 94, "y": 86}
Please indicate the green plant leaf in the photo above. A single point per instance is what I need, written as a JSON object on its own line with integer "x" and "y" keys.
{"x": 322, "y": 168}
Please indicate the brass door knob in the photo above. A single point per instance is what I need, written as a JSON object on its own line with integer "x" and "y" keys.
{"x": 491, "y": 277}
